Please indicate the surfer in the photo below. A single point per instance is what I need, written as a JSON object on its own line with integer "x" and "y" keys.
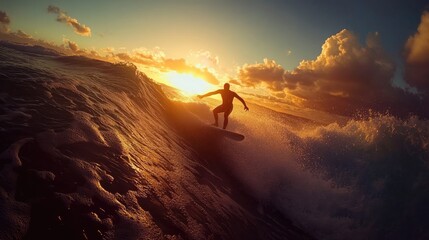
{"x": 226, "y": 106}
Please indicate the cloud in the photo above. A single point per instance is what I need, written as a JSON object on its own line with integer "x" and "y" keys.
{"x": 344, "y": 70}
{"x": 4, "y": 22}
{"x": 235, "y": 81}
{"x": 181, "y": 66}
{"x": 62, "y": 16}
{"x": 21, "y": 34}
{"x": 156, "y": 58}
{"x": 4, "y": 28}
{"x": 268, "y": 73}
{"x": 26, "y": 39}
{"x": 417, "y": 56}
{"x": 73, "y": 46}
{"x": 204, "y": 58}
{"x": 68, "y": 47}
{"x": 345, "y": 78}
{"x": 4, "y": 18}
{"x": 155, "y": 54}
{"x": 147, "y": 60}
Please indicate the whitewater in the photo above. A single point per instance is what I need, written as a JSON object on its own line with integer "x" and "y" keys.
{"x": 95, "y": 150}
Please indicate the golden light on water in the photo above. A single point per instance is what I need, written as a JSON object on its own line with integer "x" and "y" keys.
{"x": 188, "y": 84}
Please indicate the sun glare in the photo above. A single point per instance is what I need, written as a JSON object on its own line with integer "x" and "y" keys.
{"x": 187, "y": 83}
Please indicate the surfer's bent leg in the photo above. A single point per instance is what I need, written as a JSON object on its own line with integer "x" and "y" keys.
{"x": 217, "y": 110}
{"x": 226, "y": 115}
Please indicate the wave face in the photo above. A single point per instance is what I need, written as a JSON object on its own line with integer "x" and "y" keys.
{"x": 94, "y": 150}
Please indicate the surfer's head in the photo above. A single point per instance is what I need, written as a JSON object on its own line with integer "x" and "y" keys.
{"x": 226, "y": 86}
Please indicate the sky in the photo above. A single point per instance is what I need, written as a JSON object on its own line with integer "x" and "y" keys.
{"x": 297, "y": 52}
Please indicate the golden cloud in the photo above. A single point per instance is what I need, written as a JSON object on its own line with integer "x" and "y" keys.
{"x": 157, "y": 59}
{"x": 181, "y": 66}
{"x": 346, "y": 77}
{"x": 268, "y": 73}
{"x": 205, "y": 58}
{"x": 344, "y": 69}
{"x": 73, "y": 46}
{"x": 62, "y": 16}
{"x": 417, "y": 56}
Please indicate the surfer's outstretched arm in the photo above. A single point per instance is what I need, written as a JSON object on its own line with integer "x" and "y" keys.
{"x": 242, "y": 101}
{"x": 209, "y": 94}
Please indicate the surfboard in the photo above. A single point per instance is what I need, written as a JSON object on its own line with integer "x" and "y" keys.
{"x": 225, "y": 133}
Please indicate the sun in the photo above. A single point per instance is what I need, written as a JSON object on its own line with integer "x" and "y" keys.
{"x": 187, "y": 83}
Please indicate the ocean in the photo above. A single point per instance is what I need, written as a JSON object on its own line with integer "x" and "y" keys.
{"x": 97, "y": 150}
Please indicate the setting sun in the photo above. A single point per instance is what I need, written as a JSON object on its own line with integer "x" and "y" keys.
{"x": 187, "y": 83}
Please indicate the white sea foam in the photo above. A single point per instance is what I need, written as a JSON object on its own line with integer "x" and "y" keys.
{"x": 340, "y": 182}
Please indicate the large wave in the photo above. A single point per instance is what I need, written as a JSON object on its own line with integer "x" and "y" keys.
{"x": 94, "y": 150}
{"x": 91, "y": 149}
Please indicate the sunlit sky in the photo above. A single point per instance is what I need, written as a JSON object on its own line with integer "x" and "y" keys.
{"x": 237, "y": 31}
{"x": 222, "y": 35}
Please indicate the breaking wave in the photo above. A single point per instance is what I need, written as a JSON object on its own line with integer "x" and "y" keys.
{"x": 91, "y": 149}
{"x": 365, "y": 179}
{"x": 94, "y": 150}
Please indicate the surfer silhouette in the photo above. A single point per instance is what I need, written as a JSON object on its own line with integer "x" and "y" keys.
{"x": 226, "y": 106}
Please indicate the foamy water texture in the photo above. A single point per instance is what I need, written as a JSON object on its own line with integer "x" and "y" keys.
{"x": 94, "y": 150}
{"x": 364, "y": 179}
